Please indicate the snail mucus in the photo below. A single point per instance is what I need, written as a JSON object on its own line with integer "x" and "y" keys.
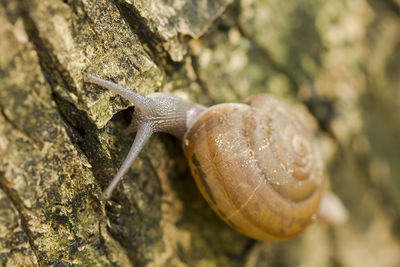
{"x": 257, "y": 164}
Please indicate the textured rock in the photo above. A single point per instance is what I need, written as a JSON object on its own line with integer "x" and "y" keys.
{"x": 170, "y": 23}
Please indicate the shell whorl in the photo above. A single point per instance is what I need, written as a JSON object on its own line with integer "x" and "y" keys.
{"x": 257, "y": 165}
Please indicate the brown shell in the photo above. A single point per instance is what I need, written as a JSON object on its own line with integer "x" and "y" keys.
{"x": 257, "y": 166}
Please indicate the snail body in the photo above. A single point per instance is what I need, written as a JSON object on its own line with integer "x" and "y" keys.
{"x": 256, "y": 164}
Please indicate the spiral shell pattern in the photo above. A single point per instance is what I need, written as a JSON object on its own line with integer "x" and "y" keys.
{"x": 257, "y": 165}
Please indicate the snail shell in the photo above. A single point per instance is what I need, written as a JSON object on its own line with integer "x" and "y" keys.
{"x": 257, "y": 165}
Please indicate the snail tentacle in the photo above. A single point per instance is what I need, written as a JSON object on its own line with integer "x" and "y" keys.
{"x": 142, "y": 136}
{"x": 143, "y": 103}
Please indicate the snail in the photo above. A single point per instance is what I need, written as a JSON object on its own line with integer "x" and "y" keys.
{"x": 257, "y": 164}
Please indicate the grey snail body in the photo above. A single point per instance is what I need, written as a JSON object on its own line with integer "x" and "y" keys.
{"x": 257, "y": 164}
